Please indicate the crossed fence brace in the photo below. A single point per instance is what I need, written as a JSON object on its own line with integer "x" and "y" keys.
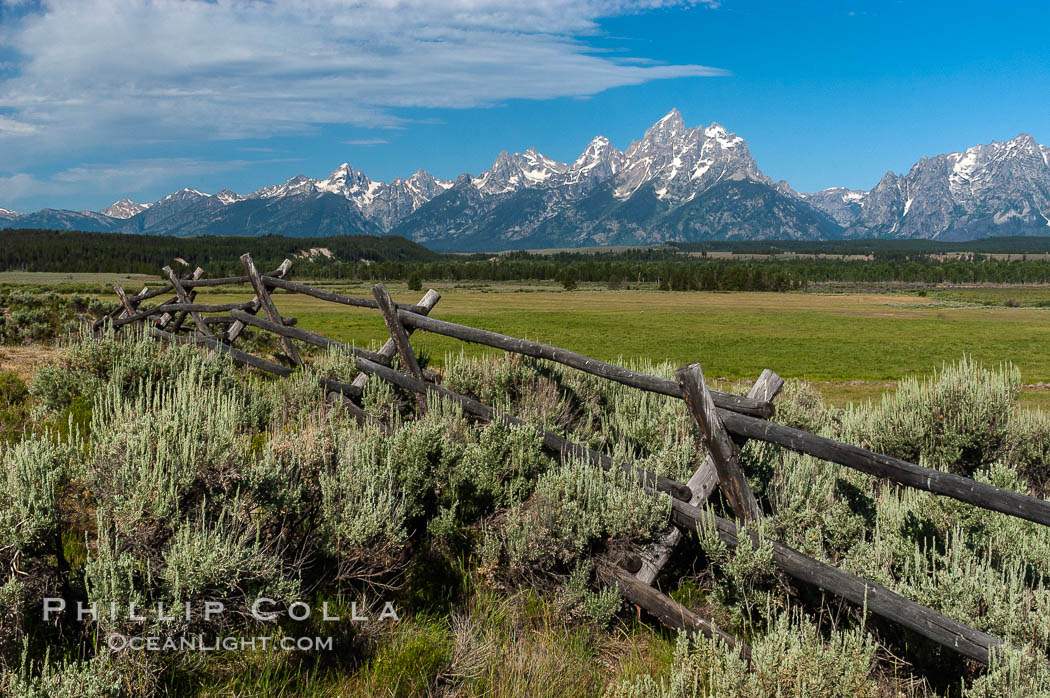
{"x": 725, "y": 421}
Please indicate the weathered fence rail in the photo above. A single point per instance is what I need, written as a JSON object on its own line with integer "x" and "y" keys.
{"x": 937, "y": 481}
{"x": 662, "y": 386}
{"x": 725, "y": 421}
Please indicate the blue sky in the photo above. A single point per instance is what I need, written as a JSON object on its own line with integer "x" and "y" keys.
{"x": 101, "y": 99}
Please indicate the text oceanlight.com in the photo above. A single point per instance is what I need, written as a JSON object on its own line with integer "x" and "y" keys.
{"x": 198, "y": 643}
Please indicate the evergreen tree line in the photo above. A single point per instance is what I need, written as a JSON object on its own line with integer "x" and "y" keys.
{"x": 368, "y": 258}
{"x": 691, "y": 274}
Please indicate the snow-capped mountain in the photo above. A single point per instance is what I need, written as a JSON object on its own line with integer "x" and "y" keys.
{"x": 683, "y": 163}
{"x": 397, "y": 200}
{"x": 123, "y": 209}
{"x": 842, "y": 204}
{"x": 599, "y": 161}
{"x": 229, "y": 197}
{"x": 675, "y": 183}
{"x": 509, "y": 173}
{"x": 387, "y": 204}
{"x": 1002, "y": 188}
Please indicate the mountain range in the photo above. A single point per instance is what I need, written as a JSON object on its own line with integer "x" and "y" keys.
{"x": 675, "y": 183}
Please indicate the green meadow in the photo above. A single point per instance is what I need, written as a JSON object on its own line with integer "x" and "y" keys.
{"x": 853, "y": 346}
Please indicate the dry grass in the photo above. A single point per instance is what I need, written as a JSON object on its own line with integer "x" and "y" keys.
{"x": 23, "y": 361}
{"x": 49, "y": 278}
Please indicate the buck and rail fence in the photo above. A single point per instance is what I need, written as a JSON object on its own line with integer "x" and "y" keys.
{"x": 725, "y": 421}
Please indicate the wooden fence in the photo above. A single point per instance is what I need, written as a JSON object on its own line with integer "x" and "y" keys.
{"x": 726, "y": 422}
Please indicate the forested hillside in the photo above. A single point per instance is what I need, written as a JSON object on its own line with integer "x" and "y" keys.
{"x": 75, "y": 251}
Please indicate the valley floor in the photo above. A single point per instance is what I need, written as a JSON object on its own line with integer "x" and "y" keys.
{"x": 853, "y": 346}
{"x": 854, "y": 343}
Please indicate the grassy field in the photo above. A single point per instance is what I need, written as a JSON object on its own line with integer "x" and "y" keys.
{"x": 854, "y": 346}
{"x": 1004, "y": 296}
{"x": 50, "y": 278}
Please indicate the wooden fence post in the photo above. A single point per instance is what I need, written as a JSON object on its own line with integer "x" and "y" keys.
{"x": 724, "y": 452}
{"x": 267, "y": 304}
{"x": 163, "y": 320}
{"x": 202, "y": 326}
{"x": 120, "y": 312}
{"x": 181, "y": 316}
{"x": 701, "y": 484}
{"x": 426, "y": 303}
{"x": 129, "y": 309}
{"x": 397, "y": 332}
{"x": 134, "y": 302}
{"x": 238, "y": 326}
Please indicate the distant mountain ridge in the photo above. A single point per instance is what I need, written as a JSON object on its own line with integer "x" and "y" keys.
{"x": 675, "y": 183}
{"x": 1002, "y": 188}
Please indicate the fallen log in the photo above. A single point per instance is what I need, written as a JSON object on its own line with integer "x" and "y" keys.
{"x": 957, "y": 487}
{"x": 875, "y": 598}
{"x": 668, "y": 611}
{"x": 583, "y": 363}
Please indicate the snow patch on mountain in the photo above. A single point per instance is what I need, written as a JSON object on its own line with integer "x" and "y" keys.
{"x": 709, "y": 154}
{"x": 125, "y": 208}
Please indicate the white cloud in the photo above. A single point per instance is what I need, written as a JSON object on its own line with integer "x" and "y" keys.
{"x": 19, "y": 186}
{"x": 365, "y": 141}
{"x": 134, "y": 71}
{"x": 11, "y": 128}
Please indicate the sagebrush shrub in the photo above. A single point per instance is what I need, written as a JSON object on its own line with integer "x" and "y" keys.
{"x": 31, "y": 473}
{"x": 170, "y": 477}
{"x": 572, "y": 508}
{"x": 96, "y": 678}
{"x": 792, "y": 660}
{"x": 957, "y": 420}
